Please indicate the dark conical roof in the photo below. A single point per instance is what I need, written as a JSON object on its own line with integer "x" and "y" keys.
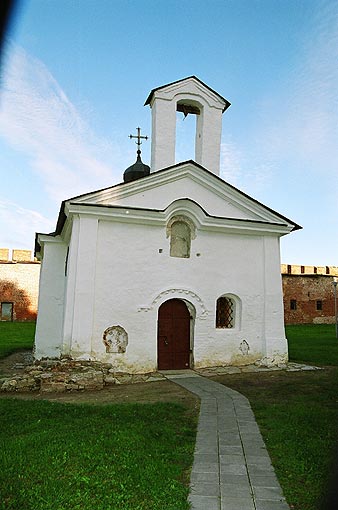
{"x": 137, "y": 170}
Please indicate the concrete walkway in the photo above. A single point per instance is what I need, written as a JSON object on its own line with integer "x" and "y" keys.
{"x": 232, "y": 469}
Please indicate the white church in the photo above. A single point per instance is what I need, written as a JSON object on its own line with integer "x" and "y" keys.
{"x": 173, "y": 268}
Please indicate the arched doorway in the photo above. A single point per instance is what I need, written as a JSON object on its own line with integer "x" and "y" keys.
{"x": 173, "y": 335}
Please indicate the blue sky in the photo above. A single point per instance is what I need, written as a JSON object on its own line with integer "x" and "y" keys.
{"x": 76, "y": 74}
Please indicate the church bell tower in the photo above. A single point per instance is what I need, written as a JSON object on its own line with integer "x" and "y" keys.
{"x": 190, "y": 96}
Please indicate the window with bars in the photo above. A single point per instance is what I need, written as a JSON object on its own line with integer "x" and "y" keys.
{"x": 293, "y": 304}
{"x": 319, "y": 304}
{"x": 225, "y": 312}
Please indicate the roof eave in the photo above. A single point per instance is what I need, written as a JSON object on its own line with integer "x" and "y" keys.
{"x": 152, "y": 92}
{"x": 58, "y": 229}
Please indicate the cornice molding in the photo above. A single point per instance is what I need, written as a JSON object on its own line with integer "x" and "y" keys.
{"x": 179, "y": 207}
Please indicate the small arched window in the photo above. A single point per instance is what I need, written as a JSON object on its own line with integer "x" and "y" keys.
{"x": 180, "y": 240}
{"x": 225, "y": 312}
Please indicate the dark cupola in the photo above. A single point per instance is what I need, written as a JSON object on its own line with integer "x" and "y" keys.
{"x": 138, "y": 169}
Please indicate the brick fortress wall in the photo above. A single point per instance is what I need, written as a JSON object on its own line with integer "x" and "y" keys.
{"x": 308, "y": 294}
{"x": 19, "y": 285}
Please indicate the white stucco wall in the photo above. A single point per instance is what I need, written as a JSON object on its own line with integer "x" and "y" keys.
{"x": 122, "y": 278}
{"x": 49, "y": 334}
{"x": 185, "y": 187}
{"x": 79, "y": 288}
{"x": 119, "y": 270}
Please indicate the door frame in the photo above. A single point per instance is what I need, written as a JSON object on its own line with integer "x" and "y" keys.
{"x": 192, "y": 312}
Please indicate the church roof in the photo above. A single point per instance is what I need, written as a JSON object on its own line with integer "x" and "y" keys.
{"x": 149, "y": 98}
{"x": 79, "y": 199}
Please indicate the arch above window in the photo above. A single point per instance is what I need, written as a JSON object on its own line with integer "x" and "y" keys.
{"x": 225, "y": 312}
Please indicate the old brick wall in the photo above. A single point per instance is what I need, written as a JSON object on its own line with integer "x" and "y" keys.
{"x": 297, "y": 269}
{"x": 19, "y": 284}
{"x": 308, "y": 293}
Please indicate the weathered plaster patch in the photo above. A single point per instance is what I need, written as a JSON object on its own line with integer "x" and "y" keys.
{"x": 244, "y": 347}
{"x": 274, "y": 360}
{"x": 115, "y": 338}
{"x": 182, "y": 219}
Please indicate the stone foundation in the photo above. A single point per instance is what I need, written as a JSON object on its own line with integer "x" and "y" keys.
{"x": 47, "y": 376}
{"x": 50, "y": 376}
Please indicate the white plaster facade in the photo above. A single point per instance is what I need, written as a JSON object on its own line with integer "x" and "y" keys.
{"x": 108, "y": 263}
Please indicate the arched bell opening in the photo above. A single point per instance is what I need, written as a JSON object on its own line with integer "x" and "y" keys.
{"x": 189, "y": 115}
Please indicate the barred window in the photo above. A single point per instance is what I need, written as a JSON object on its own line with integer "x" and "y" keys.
{"x": 293, "y": 304}
{"x": 225, "y": 312}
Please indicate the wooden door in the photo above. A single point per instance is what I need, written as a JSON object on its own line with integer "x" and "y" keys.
{"x": 173, "y": 336}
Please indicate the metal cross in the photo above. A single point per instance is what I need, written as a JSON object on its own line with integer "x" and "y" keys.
{"x": 139, "y": 137}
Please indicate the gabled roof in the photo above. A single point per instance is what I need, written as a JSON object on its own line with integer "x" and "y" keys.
{"x": 186, "y": 201}
{"x": 90, "y": 199}
{"x": 141, "y": 183}
{"x": 149, "y": 98}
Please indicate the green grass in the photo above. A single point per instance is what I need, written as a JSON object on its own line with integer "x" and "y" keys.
{"x": 81, "y": 457}
{"x": 298, "y": 418}
{"x": 70, "y": 457}
{"x": 297, "y": 413}
{"x": 313, "y": 343}
{"x": 15, "y": 336}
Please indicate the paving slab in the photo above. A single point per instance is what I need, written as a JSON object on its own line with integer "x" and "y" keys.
{"x": 232, "y": 469}
{"x": 204, "y": 502}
